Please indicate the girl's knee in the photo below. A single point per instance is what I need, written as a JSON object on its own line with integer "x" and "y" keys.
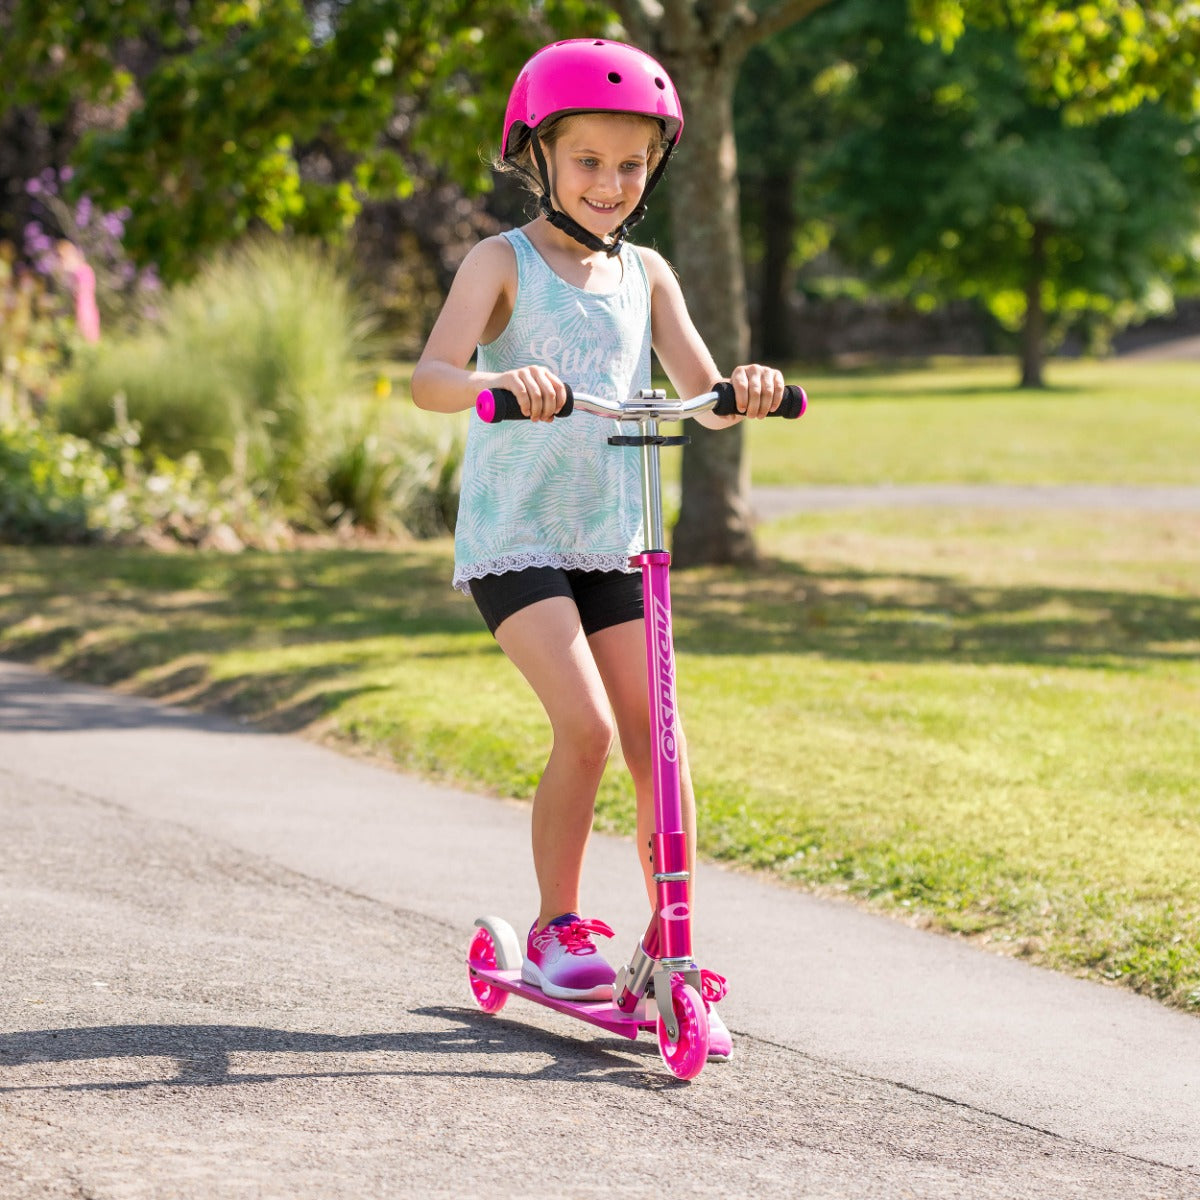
{"x": 588, "y": 740}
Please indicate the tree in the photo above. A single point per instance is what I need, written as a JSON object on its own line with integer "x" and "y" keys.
{"x": 275, "y": 113}
{"x": 702, "y": 46}
{"x": 1107, "y": 56}
{"x": 282, "y": 114}
{"x": 1096, "y": 59}
{"x": 952, "y": 179}
{"x": 783, "y": 117}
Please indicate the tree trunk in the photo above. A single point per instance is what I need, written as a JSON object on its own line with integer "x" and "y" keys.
{"x": 1033, "y": 332}
{"x": 778, "y": 229}
{"x": 715, "y": 520}
{"x": 702, "y": 45}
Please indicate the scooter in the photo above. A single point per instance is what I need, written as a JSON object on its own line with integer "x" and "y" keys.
{"x": 661, "y": 987}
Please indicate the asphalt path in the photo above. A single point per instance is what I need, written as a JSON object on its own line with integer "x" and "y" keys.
{"x": 231, "y": 966}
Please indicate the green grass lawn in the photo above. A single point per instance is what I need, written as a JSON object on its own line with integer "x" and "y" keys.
{"x": 985, "y": 721}
{"x": 1098, "y": 422}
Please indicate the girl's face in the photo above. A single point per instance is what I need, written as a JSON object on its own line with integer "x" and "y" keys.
{"x": 600, "y": 163}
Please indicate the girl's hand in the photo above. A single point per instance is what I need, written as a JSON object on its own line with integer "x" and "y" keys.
{"x": 757, "y": 390}
{"x": 539, "y": 392}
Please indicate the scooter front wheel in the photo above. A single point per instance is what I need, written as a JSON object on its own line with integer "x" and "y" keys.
{"x": 482, "y": 953}
{"x": 685, "y": 1057}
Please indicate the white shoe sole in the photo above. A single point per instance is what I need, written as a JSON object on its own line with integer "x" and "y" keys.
{"x": 531, "y": 973}
{"x": 716, "y": 1055}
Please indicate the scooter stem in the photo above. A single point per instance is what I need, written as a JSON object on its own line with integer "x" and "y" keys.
{"x": 670, "y": 932}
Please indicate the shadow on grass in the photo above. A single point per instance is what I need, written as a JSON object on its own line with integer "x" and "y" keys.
{"x": 781, "y": 608}
{"x": 111, "y": 617}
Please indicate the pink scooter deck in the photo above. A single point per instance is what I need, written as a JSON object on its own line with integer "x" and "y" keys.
{"x": 596, "y": 1012}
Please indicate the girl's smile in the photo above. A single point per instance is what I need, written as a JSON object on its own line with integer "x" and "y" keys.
{"x": 601, "y": 162}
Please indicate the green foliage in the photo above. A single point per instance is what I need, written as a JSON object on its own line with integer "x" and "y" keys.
{"x": 1098, "y": 58}
{"x": 433, "y": 476}
{"x": 57, "y": 488}
{"x": 53, "y": 487}
{"x": 950, "y": 177}
{"x": 278, "y": 114}
{"x": 35, "y": 339}
{"x": 249, "y": 365}
{"x": 391, "y": 478}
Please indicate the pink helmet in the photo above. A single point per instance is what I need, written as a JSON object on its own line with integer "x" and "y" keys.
{"x": 589, "y": 75}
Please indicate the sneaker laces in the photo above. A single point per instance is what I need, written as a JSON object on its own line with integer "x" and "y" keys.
{"x": 576, "y": 938}
{"x": 712, "y": 987}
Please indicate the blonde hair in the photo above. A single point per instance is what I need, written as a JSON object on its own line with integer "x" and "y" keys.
{"x": 552, "y": 129}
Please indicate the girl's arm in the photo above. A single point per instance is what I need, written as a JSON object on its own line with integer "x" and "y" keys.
{"x": 686, "y": 359}
{"x": 475, "y": 312}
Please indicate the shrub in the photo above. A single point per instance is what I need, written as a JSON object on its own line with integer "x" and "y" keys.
{"x": 58, "y": 488}
{"x": 250, "y": 365}
{"x": 53, "y": 487}
{"x": 433, "y": 475}
{"x": 387, "y": 484}
{"x": 34, "y": 339}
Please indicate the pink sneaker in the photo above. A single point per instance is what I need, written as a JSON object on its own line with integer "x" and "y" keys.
{"x": 562, "y": 961}
{"x": 720, "y": 1041}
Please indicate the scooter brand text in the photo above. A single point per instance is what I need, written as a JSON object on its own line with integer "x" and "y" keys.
{"x": 664, "y": 673}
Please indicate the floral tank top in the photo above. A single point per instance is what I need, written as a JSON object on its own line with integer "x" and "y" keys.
{"x": 556, "y": 494}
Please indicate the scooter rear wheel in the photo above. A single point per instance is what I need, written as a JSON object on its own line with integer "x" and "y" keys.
{"x": 686, "y": 1057}
{"x": 482, "y": 953}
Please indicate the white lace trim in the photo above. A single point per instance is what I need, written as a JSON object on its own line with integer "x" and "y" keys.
{"x": 521, "y": 562}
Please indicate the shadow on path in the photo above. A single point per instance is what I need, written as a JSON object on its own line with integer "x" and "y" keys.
{"x": 202, "y": 1055}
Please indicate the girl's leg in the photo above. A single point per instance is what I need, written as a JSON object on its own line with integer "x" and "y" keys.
{"x": 546, "y": 643}
{"x": 620, "y": 655}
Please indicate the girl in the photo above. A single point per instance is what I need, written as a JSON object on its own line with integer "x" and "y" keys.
{"x": 549, "y": 513}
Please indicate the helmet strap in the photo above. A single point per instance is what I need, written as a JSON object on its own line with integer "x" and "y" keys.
{"x": 571, "y": 227}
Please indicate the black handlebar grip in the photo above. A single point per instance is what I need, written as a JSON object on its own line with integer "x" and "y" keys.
{"x": 792, "y": 405}
{"x": 499, "y": 404}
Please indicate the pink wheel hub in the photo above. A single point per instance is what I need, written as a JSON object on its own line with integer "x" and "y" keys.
{"x": 685, "y": 1058}
{"x": 482, "y": 953}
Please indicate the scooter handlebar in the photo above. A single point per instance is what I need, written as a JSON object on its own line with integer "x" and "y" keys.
{"x": 791, "y": 407}
{"x": 499, "y": 404}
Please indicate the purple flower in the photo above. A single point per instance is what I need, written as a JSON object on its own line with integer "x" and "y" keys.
{"x": 83, "y": 212}
{"x": 113, "y": 225}
{"x": 67, "y": 174}
{"x": 37, "y": 241}
{"x": 33, "y": 187}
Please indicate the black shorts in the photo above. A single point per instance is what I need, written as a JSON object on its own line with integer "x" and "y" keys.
{"x": 603, "y": 598}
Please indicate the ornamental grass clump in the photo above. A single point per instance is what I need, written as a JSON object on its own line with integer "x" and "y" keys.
{"x": 250, "y": 365}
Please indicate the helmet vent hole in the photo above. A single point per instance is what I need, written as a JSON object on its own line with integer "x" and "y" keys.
{"x": 658, "y": 83}
{"x": 613, "y": 77}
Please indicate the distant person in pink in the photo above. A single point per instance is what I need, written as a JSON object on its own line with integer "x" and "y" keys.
{"x": 83, "y": 286}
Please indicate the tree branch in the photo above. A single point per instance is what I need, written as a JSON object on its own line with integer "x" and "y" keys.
{"x": 640, "y": 19}
{"x": 678, "y": 25}
{"x": 753, "y": 27}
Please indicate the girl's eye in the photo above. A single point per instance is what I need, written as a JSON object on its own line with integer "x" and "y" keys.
{"x": 587, "y": 162}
